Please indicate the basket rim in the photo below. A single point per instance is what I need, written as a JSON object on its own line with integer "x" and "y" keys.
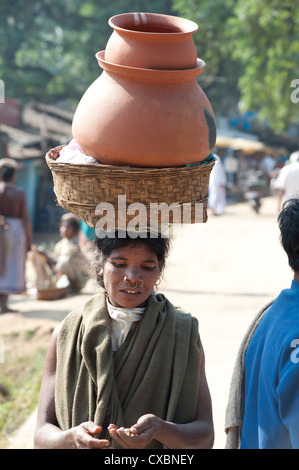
{"x": 52, "y": 289}
{"x": 60, "y": 166}
{"x": 68, "y": 178}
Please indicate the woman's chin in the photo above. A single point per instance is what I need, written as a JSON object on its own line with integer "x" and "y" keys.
{"x": 130, "y": 300}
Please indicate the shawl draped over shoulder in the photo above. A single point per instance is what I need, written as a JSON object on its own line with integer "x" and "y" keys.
{"x": 235, "y": 406}
{"x": 156, "y": 369}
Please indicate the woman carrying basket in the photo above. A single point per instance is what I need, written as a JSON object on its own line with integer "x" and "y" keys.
{"x": 126, "y": 370}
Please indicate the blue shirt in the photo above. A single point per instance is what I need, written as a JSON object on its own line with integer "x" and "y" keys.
{"x": 271, "y": 419}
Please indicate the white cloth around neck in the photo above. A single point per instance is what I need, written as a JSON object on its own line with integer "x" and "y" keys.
{"x": 122, "y": 319}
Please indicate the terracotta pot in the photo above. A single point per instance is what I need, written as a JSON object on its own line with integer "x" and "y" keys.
{"x": 149, "y": 40}
{"x": 145, "y": 117}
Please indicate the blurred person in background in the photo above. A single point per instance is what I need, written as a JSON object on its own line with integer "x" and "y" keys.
{"x": 69, "y": 259}
{"x": 262, "y": 410}
{"x": 266, "y": 166}
{"x": 217, "y": 188}
{"x": 15, "y": 234}
{"x": 287, "y": 181}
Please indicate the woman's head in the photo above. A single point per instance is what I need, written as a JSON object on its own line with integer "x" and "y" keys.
{"x": 69, "y": 226}
{"x": 289, "y": 231}
{"x": 8, "y": 169}
{"x": 129, "y": 268}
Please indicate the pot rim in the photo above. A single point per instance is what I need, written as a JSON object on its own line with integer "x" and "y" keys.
{"x": 150, "y": 74}
{"x": 183, "y": 26}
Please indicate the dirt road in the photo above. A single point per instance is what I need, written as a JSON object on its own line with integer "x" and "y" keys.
{"x": 223, "y": 271}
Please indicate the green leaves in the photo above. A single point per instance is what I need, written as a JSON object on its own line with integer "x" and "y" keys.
{"x": 270, "y": 58}
{"x": 48, "y": 47}
{"x": 254, "y": 46}
{"x": 251, "y": 49}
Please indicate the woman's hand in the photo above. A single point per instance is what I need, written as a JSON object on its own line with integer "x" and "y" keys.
{"x": 137, "y": 436}
{"x": 84, "y": 436}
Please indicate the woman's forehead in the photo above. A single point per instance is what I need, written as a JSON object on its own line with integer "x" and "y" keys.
{"x": 134, "y": 250}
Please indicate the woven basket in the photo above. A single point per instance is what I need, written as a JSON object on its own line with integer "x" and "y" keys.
{"x": 79, "y": 189}
{"x": 51, "y": 293}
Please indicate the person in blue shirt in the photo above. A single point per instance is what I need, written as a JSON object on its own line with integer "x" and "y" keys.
{"x": 263, "y": 406}
{"x": 271, "y": 406}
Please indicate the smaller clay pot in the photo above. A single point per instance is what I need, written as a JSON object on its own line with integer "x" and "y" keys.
{"x": 152, "y": 41}
{"x": 145, "y": 118}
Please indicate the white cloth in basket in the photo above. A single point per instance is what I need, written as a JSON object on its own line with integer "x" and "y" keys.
{"x": 72, "y": 153}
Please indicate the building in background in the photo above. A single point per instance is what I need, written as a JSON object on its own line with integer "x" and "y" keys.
{"x": 27, "y": 132}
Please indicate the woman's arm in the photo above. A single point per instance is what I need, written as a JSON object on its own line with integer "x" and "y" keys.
{"x": 48, "y": 435}
{"x": 198, "y": 434}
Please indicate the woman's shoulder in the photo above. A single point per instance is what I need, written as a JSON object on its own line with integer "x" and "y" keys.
{"x": 180, "y": 312}
{"x": 90, "y": 306}
{"x": 15, "y": 190}
{"x": 19, "y": 192}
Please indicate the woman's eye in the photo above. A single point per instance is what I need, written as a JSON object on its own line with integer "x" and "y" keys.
{"x": 118, "y": 265}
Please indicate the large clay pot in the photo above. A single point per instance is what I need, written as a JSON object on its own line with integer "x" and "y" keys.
{"x": 149, "y": 40}
{"x": 145, "y": 117}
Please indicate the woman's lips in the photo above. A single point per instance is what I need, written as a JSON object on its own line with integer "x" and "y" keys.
{"x": 130, "y": 291}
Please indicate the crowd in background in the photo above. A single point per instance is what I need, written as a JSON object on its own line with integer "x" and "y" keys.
{"x": 232, "y": 177}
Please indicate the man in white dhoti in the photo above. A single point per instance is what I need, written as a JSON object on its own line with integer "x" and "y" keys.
{"x": 15, "y": 234}
{"x": 287, "y": 181}
{"x": 217, "y": 188}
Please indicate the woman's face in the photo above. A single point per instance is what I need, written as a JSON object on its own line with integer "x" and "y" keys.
{"x": 123, "y": 272}
{"x": 66, "y": 230}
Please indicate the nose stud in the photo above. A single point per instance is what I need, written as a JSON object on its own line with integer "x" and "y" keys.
{"x": 137, "y": 283}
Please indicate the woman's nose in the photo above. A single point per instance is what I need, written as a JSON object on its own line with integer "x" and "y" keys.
{"x": 133, "y": 274}
{"x": 133, "y": 281}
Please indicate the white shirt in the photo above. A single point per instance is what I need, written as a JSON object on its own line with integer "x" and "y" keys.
{"x": 288, "y": 181}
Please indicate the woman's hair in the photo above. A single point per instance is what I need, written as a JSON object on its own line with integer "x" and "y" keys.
{"x": 73, "y": 223}
{"x": 7, "y": 173}
{"x": 288, "y": 221}
{"x": 160, "y": 245}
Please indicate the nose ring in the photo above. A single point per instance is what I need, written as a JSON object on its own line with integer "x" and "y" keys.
{"x": 137, "y": 283}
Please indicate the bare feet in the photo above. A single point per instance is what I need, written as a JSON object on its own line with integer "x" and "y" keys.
{"x": 3, "y": 305}
{"x": 8, "y": 310}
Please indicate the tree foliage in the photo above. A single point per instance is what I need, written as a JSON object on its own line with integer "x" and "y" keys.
{"x": 254, "y": 45}
{"x": 48, "y": 46}
{"x": 251, "y": 49}
{"x": 219, "y": 79}
{"x": 268, "y": 49}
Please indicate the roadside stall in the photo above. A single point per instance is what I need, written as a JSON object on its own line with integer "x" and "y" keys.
{"x": 247, "y": 155}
